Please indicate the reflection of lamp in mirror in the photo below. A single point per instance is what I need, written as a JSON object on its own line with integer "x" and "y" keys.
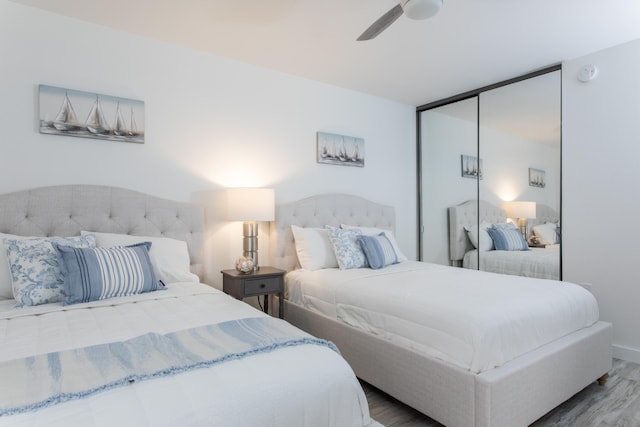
{"x": 522, "y": 211}
{"x": 250, "y": 205}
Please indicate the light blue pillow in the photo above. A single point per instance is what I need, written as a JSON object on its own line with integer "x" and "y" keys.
{"x": 346, "y": 248}
{"x": 101, "y": 273}
{"x": 507, "y": 239}
{"x": 35, "y": 272}
{"x": 378, "y": 250}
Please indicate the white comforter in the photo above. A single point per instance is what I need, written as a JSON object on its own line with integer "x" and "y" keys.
{"x": 307, "y": 385}
{"x": 472, "y": 319}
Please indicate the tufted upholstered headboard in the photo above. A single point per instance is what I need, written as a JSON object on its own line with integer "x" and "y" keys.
{"x": 318, "y": 211}
{"x": 67, "y": 209}
{"x": 466, "y": 214}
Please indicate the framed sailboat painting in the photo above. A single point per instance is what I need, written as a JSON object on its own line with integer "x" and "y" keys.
{"x": 340, "y": 150}
{"x": 90, "y": 115}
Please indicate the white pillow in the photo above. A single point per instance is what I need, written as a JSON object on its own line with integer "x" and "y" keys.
{"x": 6, "y": 290}
{"x": 546, "y": 233}
{"x": 373, "y": 231}
{"x": 486, "y": 242}
{"x": 313, "y": 248}
{"x": 169, "y": 257}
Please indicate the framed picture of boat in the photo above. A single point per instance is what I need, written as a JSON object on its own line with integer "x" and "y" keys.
{"x": 537, "y": 178}
{"x": 471, "y": 166}
{"x": 334, "y": 149}
{"x": 90, "y": 115}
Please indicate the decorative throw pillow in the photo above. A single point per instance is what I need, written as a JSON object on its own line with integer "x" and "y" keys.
{"x": 378, "y": 250}
{"x": 313, "y": 248}
{"x": 480, "y": 240}
{"x": 169, "y": 257}
{"x": 374, "y": 231}
{"x": 507, "y": 238}
{"x": 101, "y": 273}
{"x": 346, "y": 248}
{"x": 35, "y": 270}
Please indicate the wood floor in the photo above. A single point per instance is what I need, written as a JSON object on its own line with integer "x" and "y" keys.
{"x": 617, "y": 403}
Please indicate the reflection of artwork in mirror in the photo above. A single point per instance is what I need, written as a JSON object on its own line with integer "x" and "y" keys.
{"x": 536, "y": 178}
{"x": 471, "y": 166}
{"x": 340, "y": 149}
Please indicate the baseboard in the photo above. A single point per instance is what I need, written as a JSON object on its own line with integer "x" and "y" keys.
{"x": 626, "y": 353}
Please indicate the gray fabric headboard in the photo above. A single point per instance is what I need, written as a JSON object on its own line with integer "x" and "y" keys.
{"x": 318, "y": 211}
{"x": 67, "y": 209}
{"x": 466, "y": 214}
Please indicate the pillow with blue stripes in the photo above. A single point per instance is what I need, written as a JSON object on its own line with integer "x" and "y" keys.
{"x": 378, "y": 250}
{"x": 507, "y": 238}
{"x": 102, "y": 273}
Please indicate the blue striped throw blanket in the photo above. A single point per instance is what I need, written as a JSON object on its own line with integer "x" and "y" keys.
{"x": 48, "y": 379}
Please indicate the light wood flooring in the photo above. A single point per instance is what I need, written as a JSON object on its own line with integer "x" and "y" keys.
{"x": 617, "y": 403}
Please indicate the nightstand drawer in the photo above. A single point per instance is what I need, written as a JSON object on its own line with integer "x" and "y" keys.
{"x": 261, "y": 286}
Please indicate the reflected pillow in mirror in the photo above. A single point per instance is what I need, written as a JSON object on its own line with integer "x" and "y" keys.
{"x": 485, "y": 243}
{"x": 547, "y": 233}
{"x": 507, "y": 239}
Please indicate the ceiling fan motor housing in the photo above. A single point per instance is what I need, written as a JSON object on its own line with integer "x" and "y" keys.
{"x": 420, "y": 9}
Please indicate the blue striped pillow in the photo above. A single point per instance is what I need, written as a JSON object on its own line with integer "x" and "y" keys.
{"x": 507, "y": 239}
{"x": 101, "y": 273}
{"x": 378, "y": 250}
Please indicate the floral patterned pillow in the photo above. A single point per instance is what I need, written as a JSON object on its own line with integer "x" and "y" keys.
{"x": 35, "y": 272}
{"x": 346, "y": 248}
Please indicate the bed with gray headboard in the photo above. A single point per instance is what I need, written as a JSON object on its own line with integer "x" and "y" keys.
{"x": 165, "y": 377}
{"x": 544, "y": 264}
{"x": 516, "y": 393}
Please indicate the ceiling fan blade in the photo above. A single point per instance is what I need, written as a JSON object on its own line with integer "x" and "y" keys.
{"x": 381, "y": 24}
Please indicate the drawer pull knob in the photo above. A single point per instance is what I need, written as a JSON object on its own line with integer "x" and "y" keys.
{"x": 262, "y": 285}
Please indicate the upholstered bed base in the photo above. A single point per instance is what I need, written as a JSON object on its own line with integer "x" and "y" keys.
{"x": 515, "y": 394}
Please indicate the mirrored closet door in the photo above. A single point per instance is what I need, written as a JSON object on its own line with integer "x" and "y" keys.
{"x": 489, "y": 169}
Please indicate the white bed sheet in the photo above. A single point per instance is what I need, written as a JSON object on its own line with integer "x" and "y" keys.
{"x": 475, "y": 320}
{"x": 543, "y": 263}
{"x": 270, "y": 389}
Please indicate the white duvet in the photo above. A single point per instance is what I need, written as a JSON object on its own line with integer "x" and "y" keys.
{"x": 306, "y": 385}
{"x": 475, "y": 320}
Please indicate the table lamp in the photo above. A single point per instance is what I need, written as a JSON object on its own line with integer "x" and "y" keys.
{"x": 250, "y": 205}
{"x": 522, "y": 211}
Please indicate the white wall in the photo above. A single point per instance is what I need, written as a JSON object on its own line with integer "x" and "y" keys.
{"x": 601, "y": 198}
{"x": 210, "y": 123}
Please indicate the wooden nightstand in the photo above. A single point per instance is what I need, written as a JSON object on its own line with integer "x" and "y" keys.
{"x": 265, "y": 281}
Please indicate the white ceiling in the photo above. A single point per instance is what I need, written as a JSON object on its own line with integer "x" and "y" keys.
{"x": 469, "y": 44}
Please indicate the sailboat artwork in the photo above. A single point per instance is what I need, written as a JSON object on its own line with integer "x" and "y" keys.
{"x": 341, "y": 150}
{"x": 471, "y": 167}
{"x": 537, "y": 178}
{"x": 105, "y": 117}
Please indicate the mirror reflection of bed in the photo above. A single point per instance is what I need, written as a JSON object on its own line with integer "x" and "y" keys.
{"x": 513, "y": 131}
{"x": 471, "y": 245}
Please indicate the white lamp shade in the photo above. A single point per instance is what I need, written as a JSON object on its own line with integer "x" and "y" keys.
{"x": 250, "y": 204}
{"x": 421, "y": 9}
{"x": 521, "y": 209}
